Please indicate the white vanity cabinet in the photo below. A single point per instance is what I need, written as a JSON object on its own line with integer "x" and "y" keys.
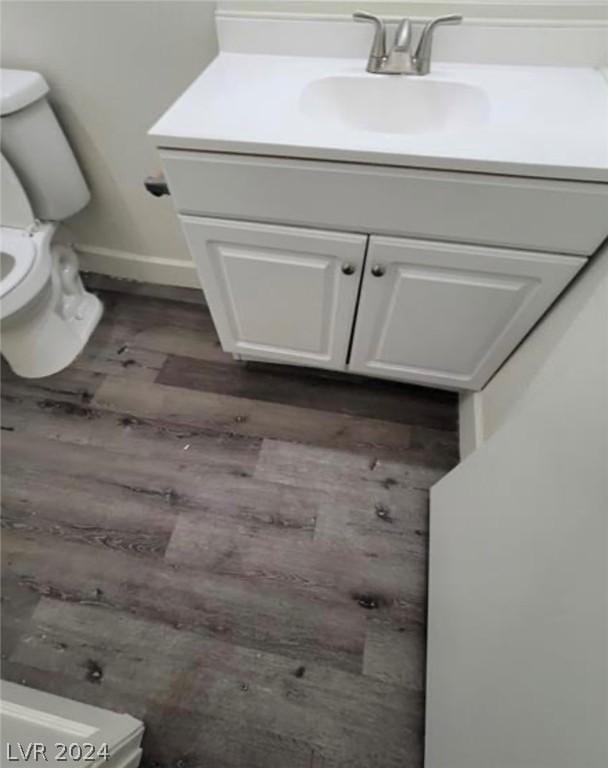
{"x": 434, "y": 313}
{"x": 276, "y": 292}
{"x": 447, "y": 314}
{"x": 469, "y": 261}
{"x": 475, "y": 192}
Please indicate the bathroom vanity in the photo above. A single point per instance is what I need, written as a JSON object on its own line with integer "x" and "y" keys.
{"x": 410, "y": 228}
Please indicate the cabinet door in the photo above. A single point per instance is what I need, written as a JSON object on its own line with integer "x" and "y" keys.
{"x": 449, "y": 315}
{"x": 279, "y": 293}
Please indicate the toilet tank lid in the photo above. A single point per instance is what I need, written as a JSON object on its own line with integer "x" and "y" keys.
{"x": 19, "y": 88}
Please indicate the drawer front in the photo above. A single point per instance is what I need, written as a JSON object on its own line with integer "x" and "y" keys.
{"x": 279, "y": 293}
{"x": 554, "y": 216}
{"x": 449, "y": 315}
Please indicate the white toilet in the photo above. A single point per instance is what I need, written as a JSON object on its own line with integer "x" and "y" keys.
{"x": 47, "y": 316}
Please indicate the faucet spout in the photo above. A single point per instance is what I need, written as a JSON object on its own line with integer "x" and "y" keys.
{"x": 403, "y": 36}
{"x": 400, "y": 60}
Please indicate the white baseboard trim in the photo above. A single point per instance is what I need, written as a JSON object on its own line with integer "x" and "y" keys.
{"x": 135, "y": 266}
{"x": 470, "y": 422}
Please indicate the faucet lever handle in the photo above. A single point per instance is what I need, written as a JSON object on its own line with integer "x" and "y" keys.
{"x": 425, "y": 44}
{"x": 452, "y": 18}
{"x": 429, "y": 27}
{"x": 403, "y": 35}
{"x": 365, "y": 16}
{"x": 379, "y": 44}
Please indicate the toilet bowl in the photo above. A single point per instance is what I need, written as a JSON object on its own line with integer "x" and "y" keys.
{"x": 47, "y": 317}
{"x": 46, "y": 314}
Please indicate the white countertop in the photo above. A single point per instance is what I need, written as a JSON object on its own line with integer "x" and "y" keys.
{"x": 548, "y": 122}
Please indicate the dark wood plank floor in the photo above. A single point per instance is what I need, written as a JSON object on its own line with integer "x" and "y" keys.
{"x": 234, "y": 553}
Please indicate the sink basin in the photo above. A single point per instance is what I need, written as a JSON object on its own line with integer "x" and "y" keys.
{"x": 395, "y": 104}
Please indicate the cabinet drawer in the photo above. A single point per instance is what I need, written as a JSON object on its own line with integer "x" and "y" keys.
{"x": 545, "y": 215}
{"x": 279, "y": 293}
{"x": 449, "y": 315}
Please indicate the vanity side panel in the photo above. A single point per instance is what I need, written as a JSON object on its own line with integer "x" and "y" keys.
{"x": 545, "y": 215}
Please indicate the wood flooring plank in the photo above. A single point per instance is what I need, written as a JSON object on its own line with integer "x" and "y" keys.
{"x": 243, "y": 508}
{"x": 173, "y": 478}
{"x": 106, "y": 497}
{"x": 126, "y": 317}
{"x": 200, "y": 343}
{"x": 178, "y": 736}
{"x": 103, "y": 490}
{"x": 395, "y": 652}
{"x": 18, "y": 604}
{"x": 348, "y": 394}
{"x": 234, "y": 415}
{"x": 68, "y": 386}
{"x": 437, "y": 447}
{"x": 140, "y": 487}
{"x": 274, "y": 619}
{"x": 74, "y": 515}
{"x": 22, "y": 513}
{"x": 358, "y": 477}
{"x": 308, "y": 567}
{"x": 137, "y": 332}
{"x": 379, "y": 531}
{"x": 186, "y": 333}
{"x": 353, "y": 720}
{"x": 143, "y": 527}
{"x": 130, "y": 361}
{"x": 135, "y": 335}
{"x": 114, "y": 477}
{"x": 116, "y": 431}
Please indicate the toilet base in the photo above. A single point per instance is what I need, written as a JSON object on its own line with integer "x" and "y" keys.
{"x": 47, "y": 336}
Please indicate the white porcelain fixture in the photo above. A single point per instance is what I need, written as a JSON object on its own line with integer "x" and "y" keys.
{"x": 395, "y": 104}
{"x": 406, "y": 228}
{"x": 47, "y": 316}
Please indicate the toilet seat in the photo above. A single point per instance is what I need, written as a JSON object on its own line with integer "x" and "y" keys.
{"x": 21, "y": 253}
{"x": 29, "y": 268}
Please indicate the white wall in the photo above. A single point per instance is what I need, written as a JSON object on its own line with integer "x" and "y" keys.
{"x": 113, "y": 68}
{"x": 557, "y": 10}
{"x": 518, "y": 587}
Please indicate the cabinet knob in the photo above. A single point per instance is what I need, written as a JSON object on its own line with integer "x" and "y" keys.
{"x": 348, "y": 269}
{"x": 378, "y": 270}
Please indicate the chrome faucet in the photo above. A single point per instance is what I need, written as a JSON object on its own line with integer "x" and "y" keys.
{"x": 400, "y": 60}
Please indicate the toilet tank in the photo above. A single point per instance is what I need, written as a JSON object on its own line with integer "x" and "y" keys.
{"x": 36, "y": 148}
